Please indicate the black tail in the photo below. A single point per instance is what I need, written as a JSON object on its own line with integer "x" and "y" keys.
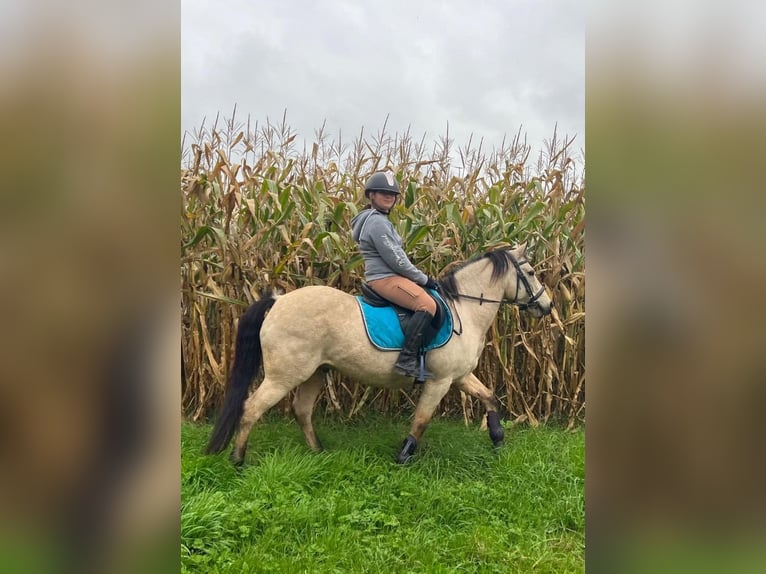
{"x": 247, "y": 360}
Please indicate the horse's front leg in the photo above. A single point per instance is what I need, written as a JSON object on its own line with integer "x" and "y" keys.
{"x": 432, "y": 394}
{"x": 471, "y": 385}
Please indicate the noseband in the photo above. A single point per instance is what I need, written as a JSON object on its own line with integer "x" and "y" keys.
{"x": 520, "y": 278}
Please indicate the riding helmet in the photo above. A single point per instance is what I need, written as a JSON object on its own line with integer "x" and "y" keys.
{"x": 381, "y": 181}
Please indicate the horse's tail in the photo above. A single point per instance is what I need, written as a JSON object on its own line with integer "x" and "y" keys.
{"x": 247, "y": 361}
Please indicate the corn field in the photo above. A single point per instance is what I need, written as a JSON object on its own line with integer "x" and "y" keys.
{"x": 260, "y": 210}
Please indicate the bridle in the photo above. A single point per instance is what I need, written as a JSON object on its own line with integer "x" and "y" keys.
{"x": 520, "y": 278}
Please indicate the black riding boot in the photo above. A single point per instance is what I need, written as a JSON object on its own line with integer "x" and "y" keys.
{"x": 408, "y": 363}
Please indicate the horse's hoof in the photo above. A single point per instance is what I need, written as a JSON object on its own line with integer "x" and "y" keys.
{"x": 496, "y": 432}
{"x": 408, "y": 449}
{"x": 236, "y": 460}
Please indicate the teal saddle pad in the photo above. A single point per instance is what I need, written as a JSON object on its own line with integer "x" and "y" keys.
{"x": 385, "y": 331}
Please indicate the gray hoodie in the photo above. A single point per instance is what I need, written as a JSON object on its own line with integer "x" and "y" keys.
{"x": 381, "y": 248}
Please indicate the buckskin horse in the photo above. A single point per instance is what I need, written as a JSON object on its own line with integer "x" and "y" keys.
{"x": 298, "y": 335}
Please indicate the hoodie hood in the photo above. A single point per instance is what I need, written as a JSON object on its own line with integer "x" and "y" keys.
{"x": 357, "y": 224}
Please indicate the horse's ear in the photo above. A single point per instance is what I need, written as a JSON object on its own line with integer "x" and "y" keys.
{"x": 522, "y": 249}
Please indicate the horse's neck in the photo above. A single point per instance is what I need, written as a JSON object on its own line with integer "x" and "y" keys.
{"x": 476, "y": 280}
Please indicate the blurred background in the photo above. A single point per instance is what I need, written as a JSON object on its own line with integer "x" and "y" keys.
{"x": 675, "y": 117}
{"x": 89, "y": 343}
{"x": 89, "y": 372}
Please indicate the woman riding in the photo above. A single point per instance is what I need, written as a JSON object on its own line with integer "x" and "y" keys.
{"x": 390, "y": 273}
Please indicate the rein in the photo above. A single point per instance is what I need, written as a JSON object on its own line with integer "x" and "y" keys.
{"x": 482, "y": 299}
{"x": 520, "y": 278}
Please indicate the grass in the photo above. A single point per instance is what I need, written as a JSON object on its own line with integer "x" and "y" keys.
{"x": 459, "y": 507}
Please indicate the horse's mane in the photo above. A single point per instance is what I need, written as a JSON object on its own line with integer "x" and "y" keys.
{"x": 500, "y": 259}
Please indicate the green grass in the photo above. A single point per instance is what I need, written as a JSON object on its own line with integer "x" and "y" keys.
{"x": 459, "y": 507}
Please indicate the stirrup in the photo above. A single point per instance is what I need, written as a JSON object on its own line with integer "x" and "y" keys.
{"x": 423, "y": 375}
{"x": 417, "y": 372}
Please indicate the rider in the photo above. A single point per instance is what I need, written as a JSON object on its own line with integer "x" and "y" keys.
{"x": 390, "y": 273}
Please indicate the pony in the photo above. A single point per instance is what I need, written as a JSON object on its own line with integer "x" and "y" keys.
{"x": 297, "y": 336}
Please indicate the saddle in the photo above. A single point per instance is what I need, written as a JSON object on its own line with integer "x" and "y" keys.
{"x": 385, "y": 322}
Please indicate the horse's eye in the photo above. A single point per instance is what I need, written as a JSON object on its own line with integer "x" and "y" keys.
{"x": 531, "y": 273}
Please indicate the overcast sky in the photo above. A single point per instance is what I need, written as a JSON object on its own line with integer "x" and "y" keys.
{"x": 486, "y": 67}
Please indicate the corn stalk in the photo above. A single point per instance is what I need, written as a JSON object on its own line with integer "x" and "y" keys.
{"x": 258, "y": 213}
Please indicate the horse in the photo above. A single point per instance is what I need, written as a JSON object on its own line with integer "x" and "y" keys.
{"x": 296, "y": 336}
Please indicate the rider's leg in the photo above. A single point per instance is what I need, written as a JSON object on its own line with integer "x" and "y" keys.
{"x": 405, "y": 293}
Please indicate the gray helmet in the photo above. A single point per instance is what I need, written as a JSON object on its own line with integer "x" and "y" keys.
{"x": 381, "y": 181}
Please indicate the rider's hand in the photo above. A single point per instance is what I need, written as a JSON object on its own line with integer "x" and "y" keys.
{"x": 431, "y": 284}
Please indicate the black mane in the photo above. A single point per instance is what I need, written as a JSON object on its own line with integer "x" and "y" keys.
{"x": 501, "y": 260}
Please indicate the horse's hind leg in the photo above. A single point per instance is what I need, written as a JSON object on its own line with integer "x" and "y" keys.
{"x": 265, "y": 396}
{"x": 471, "y": 385}
{"x": 303, "y": 407}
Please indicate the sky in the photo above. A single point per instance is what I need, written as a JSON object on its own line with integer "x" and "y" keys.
{"x": 486, "y": 69}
